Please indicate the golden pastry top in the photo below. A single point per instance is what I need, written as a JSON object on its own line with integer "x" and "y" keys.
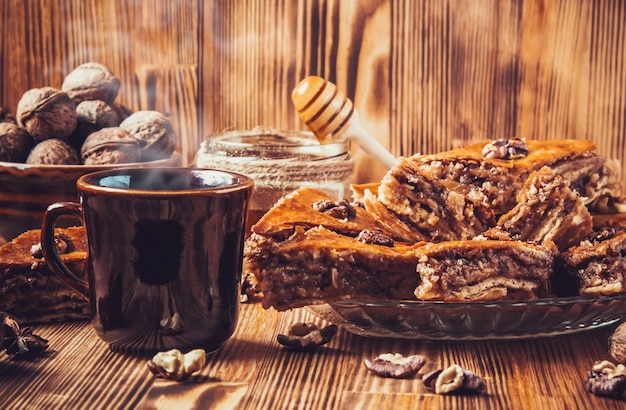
{"x": 296, "y": 209}
{"x": 539, "y": 153}
{"x": 17, "y": 253}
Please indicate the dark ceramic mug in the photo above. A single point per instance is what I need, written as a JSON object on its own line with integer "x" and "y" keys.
{"x": 165, "y": 249}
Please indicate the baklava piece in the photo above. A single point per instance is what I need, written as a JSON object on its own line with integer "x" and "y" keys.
{"x": 311, "y": 248}
{"x": 595, "y": 267}
{"x": 318, "y": 266}
{"x": 436, "y": 209}
{"x": 308, "y": 208}
{"x": 475, "y": 270}
{"x": 29, "y": 291}
{"x": 548, "y": 211}
{"x": 499, "y": 169}
{"x": 402, "y": 227}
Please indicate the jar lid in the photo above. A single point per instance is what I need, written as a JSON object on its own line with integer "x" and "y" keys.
{"x": 264, "y": 144}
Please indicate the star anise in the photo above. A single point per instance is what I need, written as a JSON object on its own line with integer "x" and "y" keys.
{"x": 22, "y": 342}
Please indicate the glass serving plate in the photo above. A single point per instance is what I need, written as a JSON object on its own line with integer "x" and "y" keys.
{"x": 422, "y": 320}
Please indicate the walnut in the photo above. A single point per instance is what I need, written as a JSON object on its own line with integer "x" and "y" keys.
{"x": 47, "y": 113}
{"x": 154, "y": 132}
{"x": 91, "y": 81}
{"x": 323, "y": 205}
{"x": 175, "y": 365}
{"x": 98, "y": 113}
{"x": 512, "y": 148}
{"x": 53, "y": 152}
{"x": 600, "y": 235}
{"x": 249, "y": 287}
{"x": 395, "y": 365}
{"x": 6, "y": 116}
{"x": 606, "y": 379}
{"x": 341, "y": 209}
{"x": 307, "y": 336}
{"x": 92, "y": 115}
{"x": 454, "y": 379}
{"x": 121, "y": 111}
{"x": 617, "y": 344}
{"x": 80, "y": 134}
{"x": 62, "y": 242}
{"x": 374, "y": 237}
{"x": 112, "y": 145}
{"x": 15, "y": 142}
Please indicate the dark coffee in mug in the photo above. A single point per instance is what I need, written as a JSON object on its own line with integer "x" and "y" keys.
{"x": 165, "y": 255}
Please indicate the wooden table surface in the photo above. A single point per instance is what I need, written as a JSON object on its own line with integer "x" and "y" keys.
{"x": 252, "y": 371}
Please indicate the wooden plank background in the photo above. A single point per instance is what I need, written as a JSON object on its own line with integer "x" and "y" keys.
{"x": 425, "y": 76}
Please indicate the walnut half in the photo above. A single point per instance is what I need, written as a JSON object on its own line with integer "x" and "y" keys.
{"x": 175, "y": 365}
{"x": 395, "y": 365}
{"x": 454, "y": 379}
{"x": 606, "y": 379}
{"x": 307, "y": 336}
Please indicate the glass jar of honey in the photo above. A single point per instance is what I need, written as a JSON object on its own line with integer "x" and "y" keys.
{"x": 279, "y": 162}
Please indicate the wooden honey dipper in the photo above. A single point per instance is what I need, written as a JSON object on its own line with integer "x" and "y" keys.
{"x": 330, "y": 115}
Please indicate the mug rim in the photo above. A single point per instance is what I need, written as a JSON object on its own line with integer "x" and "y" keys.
{"x": 85, "y": 182}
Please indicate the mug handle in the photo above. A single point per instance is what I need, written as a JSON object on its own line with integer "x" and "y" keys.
{"x": 49, "y": 249}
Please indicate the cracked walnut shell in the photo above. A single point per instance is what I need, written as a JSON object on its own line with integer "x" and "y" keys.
{"x": 93, "y": 115}
{"x": 15, "y": 142}
{"x": 53, "y": 151}
{"x": 6, "y": 116}
{"x": 98, "y": 113}
{"x": 47, "y": 113}
{"x": 112, "y": 145}
{"x": 91, "y": 81}
{"x": 154, "y": 132}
